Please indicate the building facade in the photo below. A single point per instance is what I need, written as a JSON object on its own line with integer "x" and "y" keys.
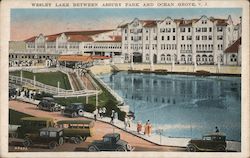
{"x": 176, "y": 41}
{"x": 182, "y": 41}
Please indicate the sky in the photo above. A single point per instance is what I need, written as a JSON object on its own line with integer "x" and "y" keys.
{"x": 26, "y": 23}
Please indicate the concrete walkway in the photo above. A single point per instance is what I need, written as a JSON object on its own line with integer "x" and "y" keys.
{"x": 153, "y": 138}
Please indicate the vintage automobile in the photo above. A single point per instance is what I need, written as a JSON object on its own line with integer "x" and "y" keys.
{"x": 46, "y": 136}
{"x": 49, "y": 104}
{"x": 76, "y": 131}
{"x": 110, "y": 142}
{"x": 209, "y": 142}
{"x": 74, "y": 110}
{"x": 33, "y": 125}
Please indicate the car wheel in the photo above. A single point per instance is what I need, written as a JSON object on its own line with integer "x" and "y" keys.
{"x": 92, "y": 148}
{"x": 13, "y": 97}
{"x": 221, "y": 148}
{"x": 73, "y": 114}
{"x": 60, "y": 141}
{"x": 26, "y": 143}
{"x": 191, "y": 148}
{"x": 52, "y": 145}
{"x": 78, "y": 140}
{"x": 80, "y": 112}
{"x": 84, "y": 138}
{"x": 121, "y": 148}
{"x": 51, "y": 109}
{"x": 14, "y": 135}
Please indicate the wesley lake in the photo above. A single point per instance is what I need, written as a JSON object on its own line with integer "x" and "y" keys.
{"x": 182, "y": 105}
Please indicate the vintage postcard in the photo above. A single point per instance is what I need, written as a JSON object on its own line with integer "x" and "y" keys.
{"x": 124, "y": 78}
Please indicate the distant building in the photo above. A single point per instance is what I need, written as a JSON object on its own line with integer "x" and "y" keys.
{"x": 200, "y": 41}
{"x": 181, "y": 41}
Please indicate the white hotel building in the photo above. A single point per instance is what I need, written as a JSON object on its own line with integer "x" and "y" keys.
{"x": 193, "y": 41}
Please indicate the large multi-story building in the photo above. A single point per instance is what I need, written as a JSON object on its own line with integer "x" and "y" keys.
{"x": 181, "y": 41}
{"x": 194, "y": 41}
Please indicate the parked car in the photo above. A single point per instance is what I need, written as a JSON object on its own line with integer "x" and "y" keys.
{"x": 74, "y": 110}
{"x": 12, "y": 93}
{"x": 33, "y": 125}
{"x": 210, "y": 142}
{"x": 49, "y": 104}
{"x": 110, "y": 142}
{"x": 76, "y": 131}
{"x": 47, "y": 136}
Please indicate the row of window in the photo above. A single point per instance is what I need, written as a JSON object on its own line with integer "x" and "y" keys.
{"x": 168, "y": 46}
{"x": 103, "y": 47}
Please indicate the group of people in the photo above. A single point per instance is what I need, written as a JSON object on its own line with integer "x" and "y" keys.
{"x": 147, "y": 128}
{"x": 100, "y": 112}
{"x": 25, "y": 93}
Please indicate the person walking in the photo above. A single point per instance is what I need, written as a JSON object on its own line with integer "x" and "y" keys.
{"x": 139, "y": 127}
{"x": 95, "y": 114}
{"x": 217, "y": 130}
{"x": 104, "y": 111}
{"x": 125, "y": 122}
{"x": 112, "y": 116}
{"x": 100, "y": 112}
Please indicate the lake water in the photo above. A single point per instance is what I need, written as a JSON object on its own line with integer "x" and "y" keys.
{"x": 181, "y": 105}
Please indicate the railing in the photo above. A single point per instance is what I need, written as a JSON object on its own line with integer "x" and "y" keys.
{"x": 111, "y": 91}
{"x": 51, "y": 89}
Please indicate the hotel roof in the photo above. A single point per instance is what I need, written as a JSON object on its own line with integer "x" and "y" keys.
{"x": 73, "y": 36}
{"x": 234, "y": 48}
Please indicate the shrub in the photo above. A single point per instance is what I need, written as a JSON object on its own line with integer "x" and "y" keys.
{"x": 89, "y": 107}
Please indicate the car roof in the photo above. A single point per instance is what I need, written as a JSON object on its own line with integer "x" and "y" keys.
{"x": 215, "y": 134}
{"x": 37, "y": 119}
{"x": 76, "y": 122}
{"x": 48, "y": 98}
{"x": 51, "y": 129}
{"x": 112, "y": 135}
{"x": 76, "y": 104}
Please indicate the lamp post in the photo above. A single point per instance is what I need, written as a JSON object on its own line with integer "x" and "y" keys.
{"x": 58, "y": 86}
{"x": 34, "y": 80}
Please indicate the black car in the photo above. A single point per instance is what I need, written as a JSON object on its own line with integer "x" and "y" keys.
{"x": 74, "y": 110}
{"x": 48, "y": 136}
{"x": 49, "y": 104}
{"x": 110, "y": 142}
{"x": 209, "y": 142}
{"x": 12, "y": 93}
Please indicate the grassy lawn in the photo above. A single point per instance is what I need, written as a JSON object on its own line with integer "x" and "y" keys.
{"x": 49, "y": 78}
{"x": 15, "y": 117}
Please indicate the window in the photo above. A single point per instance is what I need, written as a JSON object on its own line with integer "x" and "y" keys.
{"x": 197, "y": 38}
{"x": 183, "y": 58}
{"x": 132, "y": 38}
{"x": 198, "y": 29}
{"x": 146, "y": 37}
{"x": 52, "y": 134}
{"x": 173, "y": 29}
{"x": 155, "y": 38}
{"x": 220, "y": 37}
{"x": 173, "y": 38}
{"x": 219, "y": 29}
{"x": 106, "y": 140}
{"x": 207, "y": 138}
{"x": 168, "y": 38}
{"x": 182, "y": 29}
{"x": 204, "y": 37}
{"x": 168, "y": 57}
{"x": 43, "y": 133}
{"x": 168, "y": 29}
{"x": 182, "y": 37}
{"x": 147, "y": 57}
{"x": 233, "y": 58}
{"x": 189, "y": 37}
{"x": 162, "y": 38}
{"x": 204, "y": 29}
{"x": 189, "y": 29}
{"x": 162, "y": 57}
{"x": 126, "y": 38}
{"x": 210, "y": 29}
{"x": 210, "y": 37}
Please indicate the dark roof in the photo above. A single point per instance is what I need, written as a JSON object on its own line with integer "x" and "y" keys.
{"x": 51, "y": 129}
{"x": 111, "y": 135}
{"x": 36, "y": 118}
{"x": 73, "y": 36}
{"x": 75, "y": 122}
{"x": 234, "y": 48}
{"x": 215, "y": 134}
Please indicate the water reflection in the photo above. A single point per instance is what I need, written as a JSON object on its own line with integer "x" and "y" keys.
{"x": 180, "y": 101}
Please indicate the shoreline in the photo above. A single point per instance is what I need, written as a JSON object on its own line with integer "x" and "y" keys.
{"x": 200, "y": 70}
